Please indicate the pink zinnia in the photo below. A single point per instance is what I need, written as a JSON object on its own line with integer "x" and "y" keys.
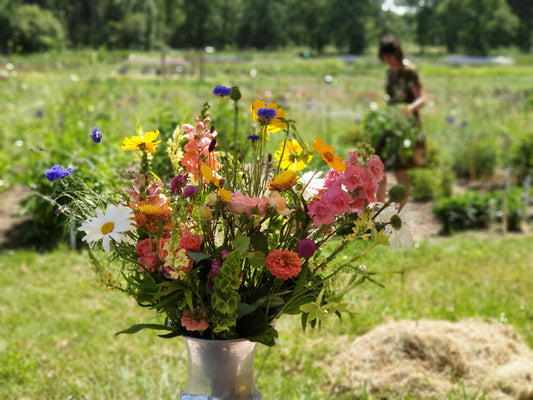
{"x": 194, "y": 321}
{"x": 191, "y": 241}
{"x": 147, "y": 250}
{"x": 284, "y": 264}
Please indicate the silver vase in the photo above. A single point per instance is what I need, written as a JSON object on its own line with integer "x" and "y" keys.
{"x": 220, "y": 370}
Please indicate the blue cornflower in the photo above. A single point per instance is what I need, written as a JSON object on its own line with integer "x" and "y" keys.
{"x": 96, "y": 135}
{"x": 253, "y": 138}
{"x": 266, "y": 113}
{"x": 221, "y": 91}
{"x": 57, "y": 172}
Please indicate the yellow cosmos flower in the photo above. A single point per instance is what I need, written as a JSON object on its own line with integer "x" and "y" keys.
{"x": 224, "y": 195}
{"x": 143, "y": 141}
{"x": 328, "y": 155}
{"x": 275, "y": 124}
{"x": 208, "y": 174}
{"x": 283, "y": 181}
{"x": 292, "y": 156}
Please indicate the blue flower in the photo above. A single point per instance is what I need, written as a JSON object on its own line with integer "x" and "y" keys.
{"x": 96, "y": 135}
{"x": 221, "y": 91}
{"x": 57, "y": 172}
{"x": 450, "y": 119}
{"x": 253, "y": 138}
{"x": 267, "y": 113}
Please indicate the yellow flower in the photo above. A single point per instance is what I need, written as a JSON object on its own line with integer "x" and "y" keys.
{"x": 224, "y": 195}
{"x": 283, "y": 181}
{"x": 292, "y": 156}
{"x": 275, "y": 124}
{"x": 328, "y": 155}
{"x": 205, "y": 212}
{"x": 208, "y": 174}
{"x": 143, "y": 141}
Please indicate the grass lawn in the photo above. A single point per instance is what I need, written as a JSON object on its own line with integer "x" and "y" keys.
{"x": 57, "y": 333}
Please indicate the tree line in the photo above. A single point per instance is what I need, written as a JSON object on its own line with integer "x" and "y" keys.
{"x": 350, "y": 26}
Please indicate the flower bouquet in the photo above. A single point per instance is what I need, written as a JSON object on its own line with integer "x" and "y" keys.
{"x": 228, "y": 245}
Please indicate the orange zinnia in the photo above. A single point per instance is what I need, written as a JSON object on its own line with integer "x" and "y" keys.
{"x": 328, "y": 155}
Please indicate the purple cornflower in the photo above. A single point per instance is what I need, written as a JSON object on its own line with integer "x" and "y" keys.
{"x": 96, "y": 135}
{"x": 253, "y": 138}
{"x": 221, "y": 91}
{"x": 306, "y": 248}
{"x": 190, "y": 191}
{"x": 57, "y": 172}
{"x": 267, "y": 113}
{"x": 178, "y": 183}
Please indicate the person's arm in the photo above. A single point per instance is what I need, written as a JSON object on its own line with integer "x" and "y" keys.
{"x": 420, "y": 100}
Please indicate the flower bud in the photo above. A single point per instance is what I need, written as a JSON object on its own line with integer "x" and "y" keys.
{"x": 212, "y": 199}
{"x": 235, "y": 93}
{"x": 398, "y": 193}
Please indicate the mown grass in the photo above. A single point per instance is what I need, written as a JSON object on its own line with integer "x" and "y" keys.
{"x": 56, "y": 336}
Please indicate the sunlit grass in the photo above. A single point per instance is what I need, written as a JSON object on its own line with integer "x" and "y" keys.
{"x": 57, "y": 332}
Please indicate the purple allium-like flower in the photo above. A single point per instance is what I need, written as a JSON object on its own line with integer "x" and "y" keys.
{"x": 267, "y": 113}
{"x": 57, "y": 172}
{"x": 450, "y": 119}
{"x": 178, "y": 183}
{"x": 464, "y": 122}
{"x": 306, "y": 248}
{"x": 253, "y": 138}
{"x": 221, "y": 91}
{"x": 190, "y": 191}
{"x": 96, "y": 135}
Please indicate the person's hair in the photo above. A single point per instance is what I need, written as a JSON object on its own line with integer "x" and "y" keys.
{"x": 390, "y": 45}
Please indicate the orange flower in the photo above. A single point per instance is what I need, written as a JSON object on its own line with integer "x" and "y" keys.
{"x": 283, "y": 181}
{"x": 284, "y": 264}
{"x": 328, "y": 155}
{"x": 275, "y": 124}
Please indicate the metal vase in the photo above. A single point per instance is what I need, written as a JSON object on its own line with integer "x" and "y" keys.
{"x": 220, "y": 370}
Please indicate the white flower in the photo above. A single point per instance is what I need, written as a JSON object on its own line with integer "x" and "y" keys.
{"x": 311, "y": 184}
{"x": 398, "y": 229}
{"x": 109, "y": 225}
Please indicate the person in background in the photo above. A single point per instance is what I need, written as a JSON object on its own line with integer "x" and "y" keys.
{"x": 403, "y": 86}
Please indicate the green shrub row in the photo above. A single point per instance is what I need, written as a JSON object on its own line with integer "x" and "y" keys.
{"x": 476, "y": 210}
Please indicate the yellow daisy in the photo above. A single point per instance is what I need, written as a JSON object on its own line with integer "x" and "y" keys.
{"x": 143, "y": 141}
{"x": 328, "y": 155}
{"x": 283, "y": 181}
{"x": 292, "y": 156}
{"x": 275, "y": 124}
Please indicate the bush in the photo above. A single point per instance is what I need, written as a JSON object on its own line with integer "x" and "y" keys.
{"x": 431, "y": 183}
{"x": 35, "y": 29}
{"x": 522, "y": 157}
{"x": 472, "y": 210}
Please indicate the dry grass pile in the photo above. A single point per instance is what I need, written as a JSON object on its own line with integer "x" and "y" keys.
{"x": 431, "y": 359}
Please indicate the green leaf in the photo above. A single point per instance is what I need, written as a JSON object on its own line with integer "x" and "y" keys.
{"x": 241, "y": 244}
{"x": 268, "y": 337}
{"x": 197, "y": 257}
{"x": 244, "y": 309}
{"x": 138, "y": 327}
{"x": 259, "y": 242}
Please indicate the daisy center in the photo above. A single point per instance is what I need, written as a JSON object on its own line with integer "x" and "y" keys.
{"x": 396, "y": 222}
{"x": 107, "y": 227}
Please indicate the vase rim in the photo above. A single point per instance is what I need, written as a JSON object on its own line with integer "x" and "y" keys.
{"x": 215, "y": 340}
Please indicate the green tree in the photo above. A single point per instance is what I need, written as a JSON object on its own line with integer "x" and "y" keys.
{"x": 524, "y": 11}
{"x": 476, "y": 25}
{"x": 35, "y": 29}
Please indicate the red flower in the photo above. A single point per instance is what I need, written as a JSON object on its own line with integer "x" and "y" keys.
{"x": 284, "y": 264}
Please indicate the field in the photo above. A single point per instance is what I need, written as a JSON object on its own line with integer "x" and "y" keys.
{"x": 56, "y": 335}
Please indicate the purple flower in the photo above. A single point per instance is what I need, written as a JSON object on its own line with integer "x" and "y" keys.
{"x": 306, "y": 248}
{"x": 190, "y": 191}
{"x": 450, "y": 119}
{"x": 96, "y": 135}
{"x": 221, "y": 91}
{"x": 57, "y": 172}
{"x": 267, "y": 113}
{"x": 178, "y": 183}
{"x": 253, "y": 138}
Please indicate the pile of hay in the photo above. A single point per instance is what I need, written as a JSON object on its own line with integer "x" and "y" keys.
{"x": 430, "y": 359}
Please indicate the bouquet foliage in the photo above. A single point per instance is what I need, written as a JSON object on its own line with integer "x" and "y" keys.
{"x": 228, "y": 245}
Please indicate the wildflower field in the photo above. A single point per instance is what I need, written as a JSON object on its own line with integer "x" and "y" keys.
{"x": 57, "y": 325}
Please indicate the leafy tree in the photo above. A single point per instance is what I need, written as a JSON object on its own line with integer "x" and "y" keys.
{"x": 524, "y": 11}
{"x": 35, "y": 29}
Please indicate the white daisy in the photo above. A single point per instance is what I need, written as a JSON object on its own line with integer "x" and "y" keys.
{"x": 398, "y": 229}
{"x": 311, "y": 184}
{"x": 108, "y": 225}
